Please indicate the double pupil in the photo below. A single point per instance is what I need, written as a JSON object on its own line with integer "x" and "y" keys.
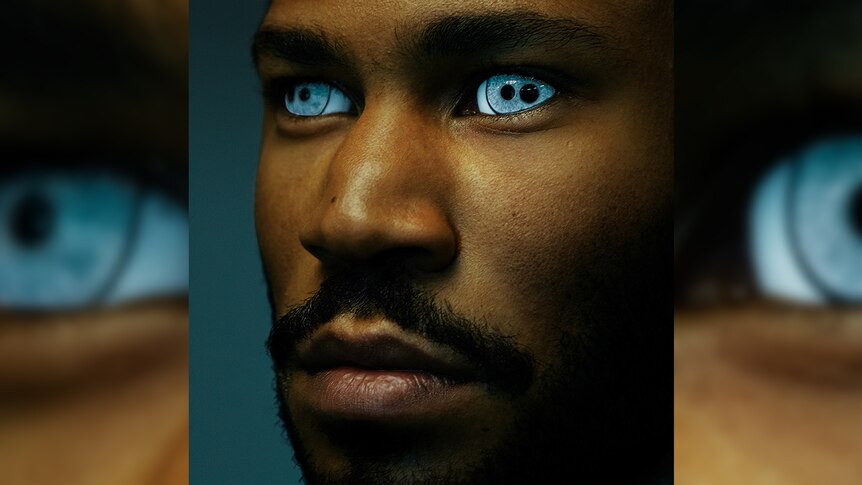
{"x": 529, "y": 92}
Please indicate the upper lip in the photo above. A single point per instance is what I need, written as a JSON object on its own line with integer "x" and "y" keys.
{"x": 374, "y": 349}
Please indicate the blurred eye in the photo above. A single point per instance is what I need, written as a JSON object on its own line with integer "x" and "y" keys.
{"x": 71, "y": 239}
{"x": 511, "y": 93}
{"x": 805, "y": 225}
{"x": 316, "y": 99}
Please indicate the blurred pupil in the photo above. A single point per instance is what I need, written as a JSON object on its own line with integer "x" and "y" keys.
{"x": 32, "y": 220}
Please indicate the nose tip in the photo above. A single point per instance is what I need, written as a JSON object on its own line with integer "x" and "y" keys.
{"x": 420, "y": 239}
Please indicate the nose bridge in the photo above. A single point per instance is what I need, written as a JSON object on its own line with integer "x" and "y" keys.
{"x": 372, "y": 168}
{"x": 382, "y": 193}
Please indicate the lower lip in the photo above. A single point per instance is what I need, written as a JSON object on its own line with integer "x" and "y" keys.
{"x": 365, "y": 394}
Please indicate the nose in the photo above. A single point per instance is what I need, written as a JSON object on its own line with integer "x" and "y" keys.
{"x": 383, "y": 197}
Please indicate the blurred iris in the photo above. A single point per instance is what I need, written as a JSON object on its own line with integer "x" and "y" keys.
{"x": 806, "y": 225}
{"x": 78, "y": 238}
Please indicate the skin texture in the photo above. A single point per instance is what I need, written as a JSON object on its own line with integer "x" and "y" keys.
{"x": 549, "y": 226}
{"x": 766, "y": 391}
{"x": 96, "y": 395}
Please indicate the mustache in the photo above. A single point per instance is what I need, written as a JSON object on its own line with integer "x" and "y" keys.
{"x": 391, "y": 294}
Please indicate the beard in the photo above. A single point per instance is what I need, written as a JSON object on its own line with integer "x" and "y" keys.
{"x": 594, "y": 416}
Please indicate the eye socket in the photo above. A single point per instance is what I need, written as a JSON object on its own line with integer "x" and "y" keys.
{"x": 511, "y": 93}
{"x": 72, "y": 239}
{"x": 805, "y": 225}
{"x": 310, "y": 99}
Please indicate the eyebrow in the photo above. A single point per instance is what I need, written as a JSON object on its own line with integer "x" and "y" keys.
{"x": 447, "y": 36}
{"x": 465, "y": 35}
{"x": 299, "y": 45}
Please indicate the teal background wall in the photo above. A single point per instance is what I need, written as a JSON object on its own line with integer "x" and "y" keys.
{"x": 235, "y": 437}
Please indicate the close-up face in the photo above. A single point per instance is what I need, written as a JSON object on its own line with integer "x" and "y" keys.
{"x": 464, "y": 215}
{"x": 94, "y": 242}
{"x": 768, "y": 346}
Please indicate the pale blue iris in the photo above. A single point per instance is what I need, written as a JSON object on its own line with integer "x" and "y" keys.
{"x": 511, "y": 93}
{"x": 805, "y": 241}
{"x": 316, "y": 99}
{"x": 106, "y": 241}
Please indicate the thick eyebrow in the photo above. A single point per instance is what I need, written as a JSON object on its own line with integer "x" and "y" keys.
{"x": 460, "y": 35}
{"x": 448, "y": 36}
{"x": 299, "y": 45}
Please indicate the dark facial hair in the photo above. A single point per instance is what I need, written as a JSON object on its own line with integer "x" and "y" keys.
{"x": 572, "y": 430}
{"x": 390, "y": 295}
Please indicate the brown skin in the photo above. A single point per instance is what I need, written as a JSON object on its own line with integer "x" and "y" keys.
{"x": 505, "y": 218}
{"x": 766, "y": 391}
{"x": 770, "y": 394}
{"x": 97, "y": 395}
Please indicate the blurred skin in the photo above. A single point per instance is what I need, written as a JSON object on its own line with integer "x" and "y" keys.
{"x": 546, "y": 225}
{"x": 765, "y": 391}
{"x": 98, "y": 395}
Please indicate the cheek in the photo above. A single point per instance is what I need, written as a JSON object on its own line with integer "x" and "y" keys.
{"x": 281, "y": 194}
{"x": 554, "y": 225}
{"x": 770, "y": 393}
{"x": 541, "y": 215}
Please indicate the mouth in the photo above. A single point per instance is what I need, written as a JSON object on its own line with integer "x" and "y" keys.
{"x": 365, "y": 371}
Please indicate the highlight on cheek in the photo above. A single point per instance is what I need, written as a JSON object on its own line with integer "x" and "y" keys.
{"x": 315, "y": 99}
{"x": 512, "y": 93}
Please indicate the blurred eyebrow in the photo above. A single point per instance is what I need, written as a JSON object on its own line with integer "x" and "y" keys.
{"x": 299, "y": 45}
{"x": 447, "y": 36}
{"x": 459, "y": 35}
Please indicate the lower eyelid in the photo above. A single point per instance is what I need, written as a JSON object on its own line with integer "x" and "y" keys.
{"x": 548, "y": 116}
{"x": 66, "y": 348}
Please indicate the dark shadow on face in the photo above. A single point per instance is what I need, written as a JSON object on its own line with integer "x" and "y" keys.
{"x": 604, "y": 385}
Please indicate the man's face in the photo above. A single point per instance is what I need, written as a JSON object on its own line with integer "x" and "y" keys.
{"x": 463, "y": 210}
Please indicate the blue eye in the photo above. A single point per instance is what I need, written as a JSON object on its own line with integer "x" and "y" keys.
{"x": 316, "y": 99}
{"x": 511, "y": 93}
{"x": 75, "y": 239}
{"x": 806, "y": 225}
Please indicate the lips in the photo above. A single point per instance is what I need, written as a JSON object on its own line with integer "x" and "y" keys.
{"x": 377, "y": 351}
{"x": 364, "y": 371}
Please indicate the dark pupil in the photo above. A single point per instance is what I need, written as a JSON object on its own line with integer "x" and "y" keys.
{"x": 304, "y": 94}
{"x": 32, "y": 220}
{"x": 529, "y": 93}
{"x": 856, "y": 210}
{"x": 507, "y": 92}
